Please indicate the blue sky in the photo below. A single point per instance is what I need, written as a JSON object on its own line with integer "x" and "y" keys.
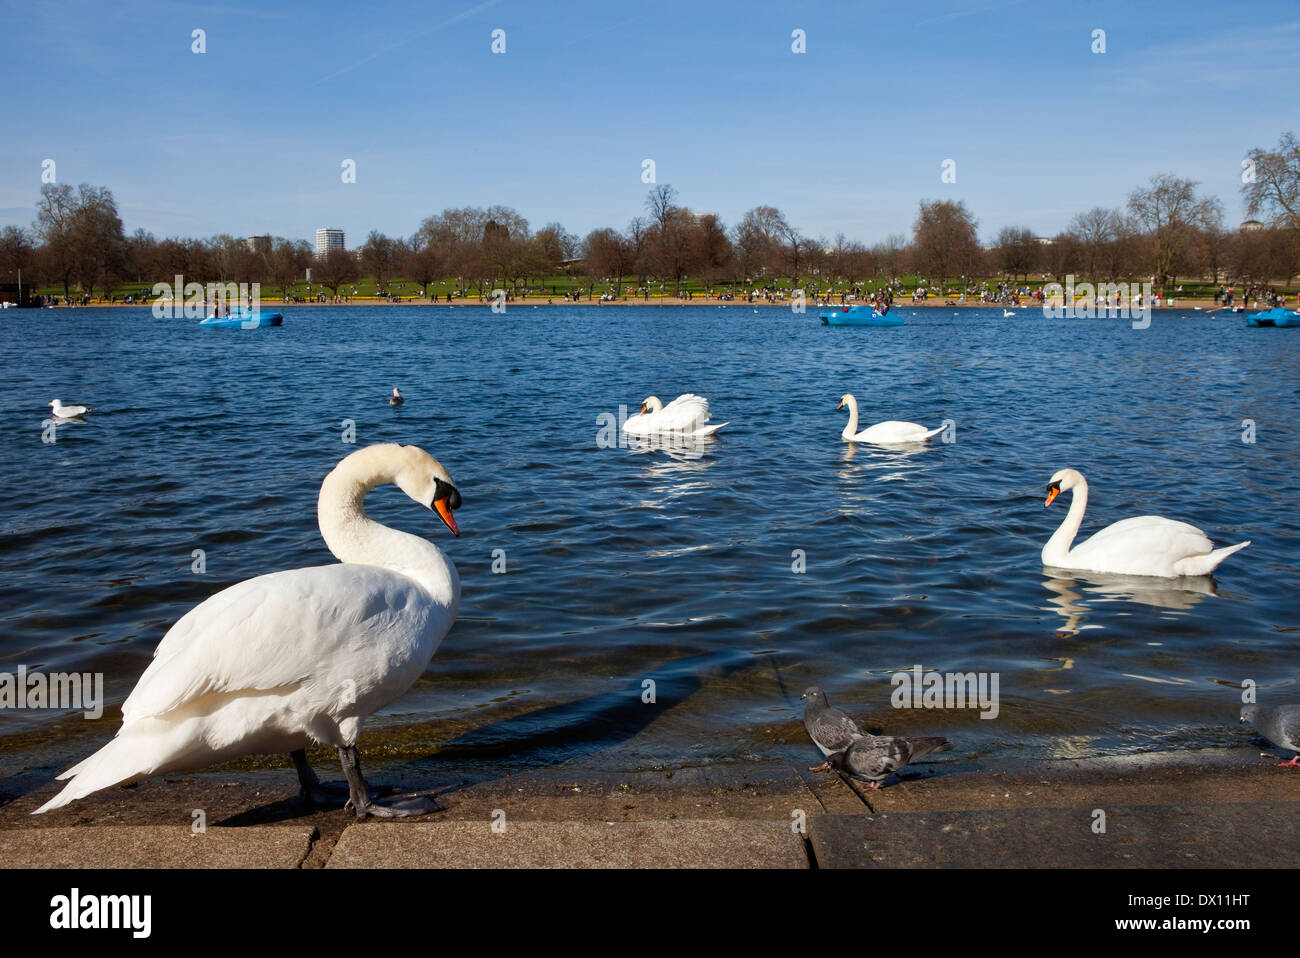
{"x": 249, "y": 137}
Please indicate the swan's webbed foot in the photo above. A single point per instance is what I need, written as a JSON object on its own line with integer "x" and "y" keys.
{"x": 363, "y": 801}
{"x": 823, "y": 767}
{"x": 408, "y": 807}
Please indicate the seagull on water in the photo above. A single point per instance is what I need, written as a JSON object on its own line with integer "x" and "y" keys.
{"x": 70, "y": 411}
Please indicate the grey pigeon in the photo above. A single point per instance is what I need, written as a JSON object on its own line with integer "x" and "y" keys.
{"x": 876, "y": 757}
{"x": 1280, "y": 725}
{"x": 831, "y": 730}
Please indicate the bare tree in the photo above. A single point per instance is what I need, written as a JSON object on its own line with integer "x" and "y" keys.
{"x": 1170, "y": 212}
{"x": 289, "y": 261}
{"x": 944, "y": 239}
{"x": 668, "y": 240}
{"x": 335, "y": 268}
{"x": 1274, "y": 191}
{"x": 711, "y": 250}
{"x": 609, "y": 254}
{"x": 1017, "y": 251}
{"x": 759, "y": 239}
{"x": 379, "y": 257}
{"x": 425, "y": 260}
{"x": 17, "y": 255}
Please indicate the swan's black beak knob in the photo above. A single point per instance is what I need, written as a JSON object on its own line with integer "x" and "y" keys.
{"x": 1053, "y": 490}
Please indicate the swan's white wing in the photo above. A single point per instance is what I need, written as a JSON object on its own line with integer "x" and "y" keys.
{"x": 894, "y": 430}
{"x": 327, "y": 623}
{"x": 1143, "y": 544}
{"x": 683, "y": 414}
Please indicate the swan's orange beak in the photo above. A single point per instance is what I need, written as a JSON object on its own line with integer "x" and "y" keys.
{"x": 841, "y": 405}
{"x": 1052, "y": 492}
{"x": 444, "y": 510}
{"x": 643, "y": 409}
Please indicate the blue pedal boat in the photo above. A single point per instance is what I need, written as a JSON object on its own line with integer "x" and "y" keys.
{"x": 1277, "y": 316}
{"x": 860, "y": 315}
{"x": 244, "y": 318}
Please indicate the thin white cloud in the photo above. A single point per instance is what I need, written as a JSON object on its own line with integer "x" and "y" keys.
{"x": 464, "y": 14}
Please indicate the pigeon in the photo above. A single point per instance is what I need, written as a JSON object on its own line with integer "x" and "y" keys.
{"x": 396, "y": 398}
{"x": 875, "y": 757}
{"x": 830, "y": 729}
{"x": 70, "y": 411}
{"x": 1280, "y": 725}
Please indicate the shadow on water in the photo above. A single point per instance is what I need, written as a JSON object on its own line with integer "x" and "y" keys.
{"x": 544, "y": 737}
{"x": 573, "y": 730}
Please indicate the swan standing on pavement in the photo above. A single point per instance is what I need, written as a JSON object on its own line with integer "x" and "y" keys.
{"x": 882, "y": 433}
{"x": 1145, "y": 545}
{"x": 686, "y": 415}
{"x": 71, "y": 411}
{"x": 297, "y": 658}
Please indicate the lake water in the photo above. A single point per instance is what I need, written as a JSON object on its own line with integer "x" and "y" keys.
{"x": 624, "y": 565}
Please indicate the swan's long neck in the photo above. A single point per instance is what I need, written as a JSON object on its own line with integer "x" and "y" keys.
{"x": 1058, "y": 547}
{"x": 354, "y": 537}
{"x": 851, "y": 429}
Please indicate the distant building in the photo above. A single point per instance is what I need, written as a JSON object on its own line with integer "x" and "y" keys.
{"x": 327, "y": 240}
{"x": 1251, "y": 226}
{"x": 258, "y": 244}
{"x": 1043, "y": 240}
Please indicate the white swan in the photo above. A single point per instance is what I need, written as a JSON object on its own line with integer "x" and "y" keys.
{"x": 296, "y": 658}
{"x": 886, "y": 433}
{"x": 70, "y": 411}
{"x": 1145, "y": 545}
{"x": 686, "y": 415}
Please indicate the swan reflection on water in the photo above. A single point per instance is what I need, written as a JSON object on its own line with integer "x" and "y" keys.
{"x": 684, "y": 472}
{"x": 1075, "y": 593}
{"x": 891, "y": 461}
{"x": 681, "y": 448}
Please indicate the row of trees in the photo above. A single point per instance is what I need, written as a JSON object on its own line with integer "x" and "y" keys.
{"x": 1167, "y": 228}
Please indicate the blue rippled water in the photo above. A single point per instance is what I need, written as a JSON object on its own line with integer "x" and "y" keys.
{"x": 624, "y": 565}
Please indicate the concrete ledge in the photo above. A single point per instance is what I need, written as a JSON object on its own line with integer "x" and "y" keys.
{"x": 1220, "y": 835}
{"x": 155, "y": 846}
{"x": 532, "y": 844}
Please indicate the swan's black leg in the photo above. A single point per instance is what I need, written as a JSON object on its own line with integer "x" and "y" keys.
{"x": 311, "y": 790}
{"x": 362, "y": 800}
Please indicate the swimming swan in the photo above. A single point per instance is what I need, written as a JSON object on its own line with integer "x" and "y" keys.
{"x": 297, "y": 658}
{"x": 882, "y": 433}
{"x": 1145, "y": 545}
{"x": 686, "y": 415}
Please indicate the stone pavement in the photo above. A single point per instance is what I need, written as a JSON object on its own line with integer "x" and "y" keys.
{"x": 1162, "y": 811}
